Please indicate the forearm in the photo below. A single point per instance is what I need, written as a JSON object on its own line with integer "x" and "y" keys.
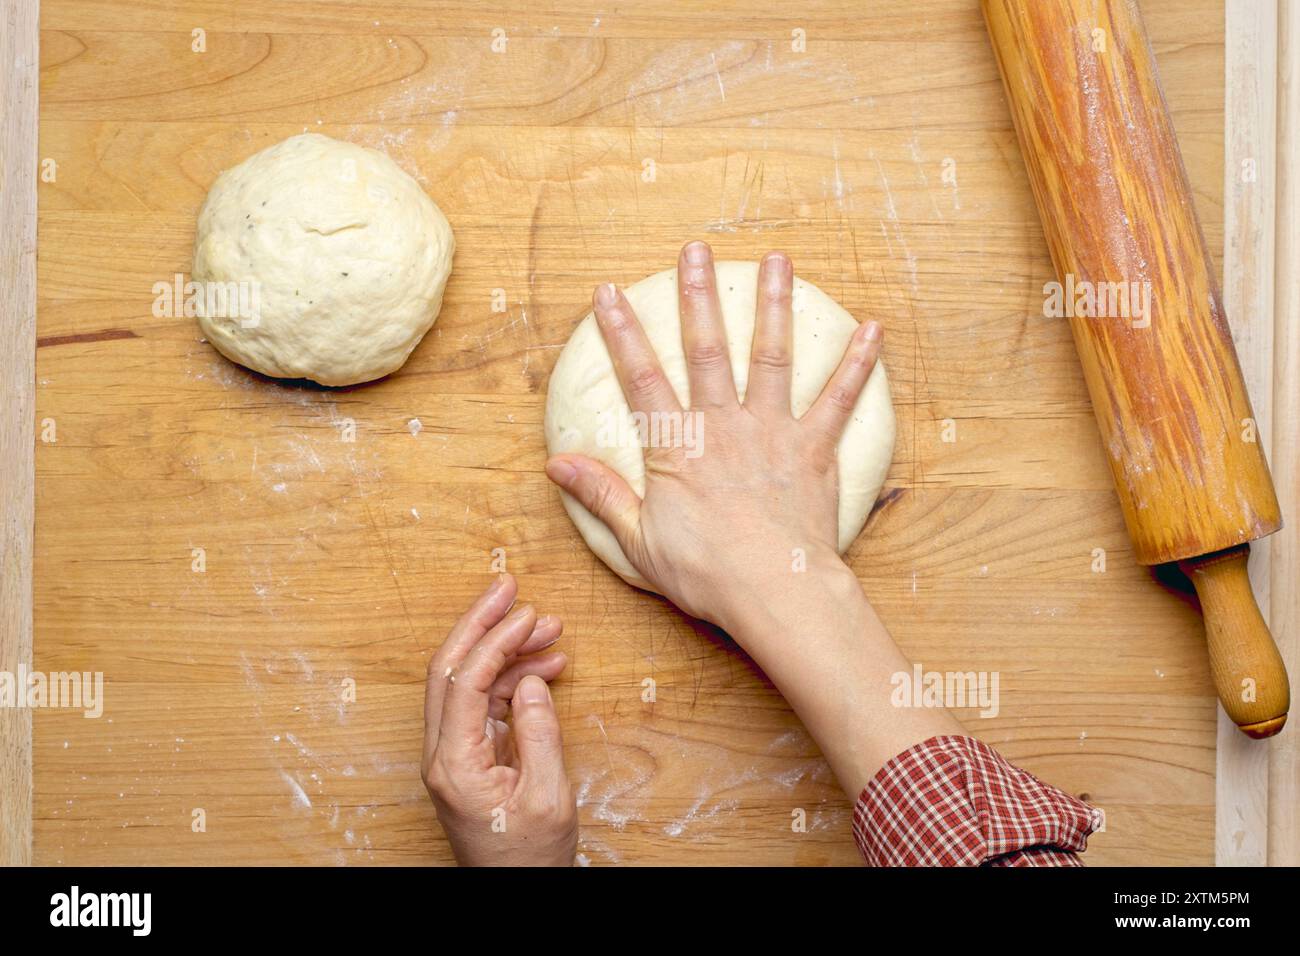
{"x": 819, "y": 640}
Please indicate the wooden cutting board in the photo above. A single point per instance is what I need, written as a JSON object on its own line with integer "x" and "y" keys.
{"x": 881, "y": 158}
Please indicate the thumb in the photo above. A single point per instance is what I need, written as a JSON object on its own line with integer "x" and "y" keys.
{"x": 600, "y": 490}
{"x": 537, "y": 731}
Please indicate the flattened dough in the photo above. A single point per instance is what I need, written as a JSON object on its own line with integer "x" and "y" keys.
{"x": 349, "y": 256}
{"x": 583, "y": 386}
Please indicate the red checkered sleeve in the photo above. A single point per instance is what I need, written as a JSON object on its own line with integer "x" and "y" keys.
{"x": 953, "y": 801}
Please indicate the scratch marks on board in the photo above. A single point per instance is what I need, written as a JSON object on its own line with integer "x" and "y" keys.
{"x": 752, "y": 181}
{"x": 894, "y": 234}
{"x": 722, "y": 90}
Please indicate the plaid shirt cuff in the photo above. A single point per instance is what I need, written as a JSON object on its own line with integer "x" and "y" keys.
{"x": 953, "y": 801}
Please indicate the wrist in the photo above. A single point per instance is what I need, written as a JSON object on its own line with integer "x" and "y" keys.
{"x": 781, "y": 594}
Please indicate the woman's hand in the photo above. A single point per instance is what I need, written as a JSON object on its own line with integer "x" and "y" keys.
{"x": 501, "y": 791}
{"x": 719, "y": 532}
{"x": 715, "y": 528}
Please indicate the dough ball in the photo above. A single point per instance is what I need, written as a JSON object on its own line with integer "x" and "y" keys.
{"x": 584, "y": 391}
{"x": 343, "y": 255}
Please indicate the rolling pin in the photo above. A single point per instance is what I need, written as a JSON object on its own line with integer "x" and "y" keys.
{"x": 1138, "y": 286}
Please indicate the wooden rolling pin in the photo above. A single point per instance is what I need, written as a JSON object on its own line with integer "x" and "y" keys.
{"x": 1166, "y": 388}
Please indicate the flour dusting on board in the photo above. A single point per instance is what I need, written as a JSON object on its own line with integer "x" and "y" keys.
{"x": 416, "y": 98}
{"x": 715, "y": 784}
{"x": 300, "y": 797}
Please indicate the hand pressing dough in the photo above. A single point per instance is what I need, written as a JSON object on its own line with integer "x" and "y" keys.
{"x": 347, "y": 256}
{"x": 584, "y": 391}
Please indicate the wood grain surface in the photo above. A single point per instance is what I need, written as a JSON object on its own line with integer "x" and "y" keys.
{"x": 1284, "y": 549}
{"x": 882, "y": 159}
{"x": 1250, "y": 177}
{"x": 18, "y": 92}
{"x": 1165, "y": 382}
{"x": 1157, "y": 352}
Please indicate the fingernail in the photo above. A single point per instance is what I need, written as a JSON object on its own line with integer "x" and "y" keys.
{"x": 521, "y": 612}
{"x": 606, "y": 295}
{"x": 495, "y": 587}
{"x": 873, "y": 332}
{"x": 533, "y": 690}
{"x": 777, "y": 261}
{"x": 696, "y": 253}
{"x": 776, "y": 272}
{"x": 561, "y": 472}
{"x": 543, "y": 623}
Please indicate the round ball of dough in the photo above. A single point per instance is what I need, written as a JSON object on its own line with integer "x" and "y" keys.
{"x": 584, "y": 392}
{"x": 343, "y": 255}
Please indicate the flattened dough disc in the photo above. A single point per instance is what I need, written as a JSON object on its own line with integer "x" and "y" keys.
{"x": 584, "y": 391}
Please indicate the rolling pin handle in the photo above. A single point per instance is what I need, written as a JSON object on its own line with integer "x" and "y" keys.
{"x": 1243, "y": 656}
